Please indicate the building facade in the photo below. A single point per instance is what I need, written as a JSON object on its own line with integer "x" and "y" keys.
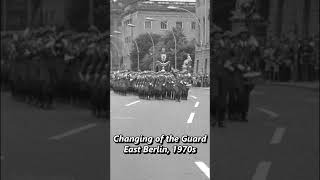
{"x": 164, "y": 19}
{"x": 15, "y": 14}
{"x": 117, "y": 44}
{"x": 20, "y": 14}
{"x": 298, "y": 16}
{"x": 202, "y": 51}
{"x": 55, "y": 12}
{"x": 282, "y": 16}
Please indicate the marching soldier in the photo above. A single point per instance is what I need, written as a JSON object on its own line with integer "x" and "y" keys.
{"x": 244, "y": 50}
{"x": 43, "y": 59}
{"x": 219, "y": 94}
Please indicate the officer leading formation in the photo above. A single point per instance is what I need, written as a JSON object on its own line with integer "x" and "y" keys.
{"x": 233, "y": 76}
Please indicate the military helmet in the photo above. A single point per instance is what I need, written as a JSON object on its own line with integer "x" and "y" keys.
{"x": 216, "y": 29}
{"x": 242, "y": 30}
{"x": 227, "y": 34}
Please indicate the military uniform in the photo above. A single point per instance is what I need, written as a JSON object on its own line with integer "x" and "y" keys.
{"x": 220, "y": 87}
{"x": 243, "y": 50}
{"x": 47, "y": 64}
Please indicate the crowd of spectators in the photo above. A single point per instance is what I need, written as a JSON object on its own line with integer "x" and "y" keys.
{"x": 289, "y": 59}
{"x": 201, "y": 80}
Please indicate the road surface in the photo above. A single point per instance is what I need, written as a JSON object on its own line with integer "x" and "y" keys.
{"x": 68, "y": 143}
{"x": 280, "y": 141}
{"x": 131, "y": 116}
{"x": 65, "y": 143}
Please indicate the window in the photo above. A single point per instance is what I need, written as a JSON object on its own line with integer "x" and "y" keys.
{"x": 205, "y": 66}
{"x": 204, "y": 29}
{"x": 197, "y": 70}
{"x": 164, "y": 25}
{"x": 121, "y": 61}
{"x": 179, "y": 25}
{"x": 129, "y": 21}
{"x": 193, "y": 25}
{"x": 147, "y": 25}
{"x": 127, "y": 39}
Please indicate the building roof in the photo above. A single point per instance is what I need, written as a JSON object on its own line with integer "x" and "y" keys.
{"x": 192, "y": 1}
{"x": 160, "y": 5}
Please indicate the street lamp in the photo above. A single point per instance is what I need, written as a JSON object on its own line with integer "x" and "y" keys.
{"x": 152, "y": 46}
{"x": 126, "y": 47}
{"x": 125, "y": 50}
{"x": 135, "y": 42}
{"x": 175, "y": 42}
{"x": 117, "y": 49}
{"x": 194, "y": 15}
{"x": 152, "y": 49}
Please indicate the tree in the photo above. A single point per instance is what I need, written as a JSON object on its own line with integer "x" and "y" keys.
{"x": 145, "y": 51}
{"x": 184, "y": 47}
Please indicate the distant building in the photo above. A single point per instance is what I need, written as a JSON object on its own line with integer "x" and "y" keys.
{"x": 117, "y": 42}
{"x": 202, "y": 52}
{"x": 55, "y": 12}
{"x": 299, "y": 16}
{"x": 19, "y": 14}
{"x": 165, "y": 20}
{"x": 15, "y": 14}
{"x": 282, "y": 16}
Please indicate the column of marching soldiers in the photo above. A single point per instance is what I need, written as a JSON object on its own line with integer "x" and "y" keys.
{"x": 44, "y": 65}
{"x": 152, "y": 85}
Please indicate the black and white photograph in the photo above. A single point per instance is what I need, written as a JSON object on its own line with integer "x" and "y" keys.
{"x": 159, "y": 85}
{"x": 265, "y": 90}
{"x": 55, "y": 90}
{"x": 159, "y": 89}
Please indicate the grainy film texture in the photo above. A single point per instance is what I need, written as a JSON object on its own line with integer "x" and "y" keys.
{"x": 264, "y": 89}
{"x": 55, "y": 89}
{"x": 160, "y": 89}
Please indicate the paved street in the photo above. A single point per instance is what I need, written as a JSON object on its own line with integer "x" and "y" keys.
{"x": 68, "y": 143}
{"x": 280, "y": 141}
{"x": 133, "y": 117}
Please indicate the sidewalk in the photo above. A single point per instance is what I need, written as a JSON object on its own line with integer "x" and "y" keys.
{"x": 307, "y": 85}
